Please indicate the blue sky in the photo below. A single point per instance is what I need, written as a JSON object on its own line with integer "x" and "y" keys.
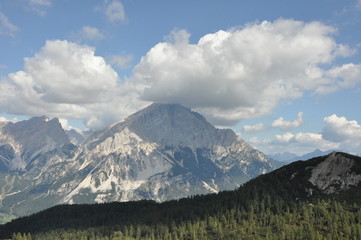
{"x": 285, "y": 75}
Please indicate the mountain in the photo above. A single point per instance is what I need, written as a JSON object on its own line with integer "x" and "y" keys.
{"x": 314, "y": 199}
{"x": 165, "y": 151}
{"x": 288, "y": 157}
{"x": 22, "y": 143}
{"x": 337, "y": 174}
{"x": 78, "y": 137}
{"x": 162, "y": 152}
{"x": 285, "y": 157}
{"x": 315, "y": 153}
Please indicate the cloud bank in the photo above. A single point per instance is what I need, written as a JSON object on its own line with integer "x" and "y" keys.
{"x": 244, "y": 72}
{"x": 228, "y": 76}
{"x": 337, "y": 133}
{"x": 68, "y": 80}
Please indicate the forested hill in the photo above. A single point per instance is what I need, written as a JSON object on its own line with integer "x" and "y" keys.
{"x": 315, "y": 199}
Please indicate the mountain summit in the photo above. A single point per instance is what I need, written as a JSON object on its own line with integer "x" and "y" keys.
{"x": 165, "y": 151}
{"x": 173, "y": 125}
{"x": 162, "y": 152}
{"x": 22, "y": 142}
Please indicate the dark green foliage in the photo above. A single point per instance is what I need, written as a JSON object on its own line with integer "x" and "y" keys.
{"x": 273, "y": 206}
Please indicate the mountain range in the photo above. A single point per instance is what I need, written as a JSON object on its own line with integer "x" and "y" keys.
{"x": 314, "y": 199}
{"x": 288, "y": 157}
{"x": 163, "y": 152}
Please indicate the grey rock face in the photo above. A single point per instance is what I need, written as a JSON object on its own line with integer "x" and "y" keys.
{"x": 335, "y": 174}
{"x": 27, "y": 140}
{"x": 162, "y": 152}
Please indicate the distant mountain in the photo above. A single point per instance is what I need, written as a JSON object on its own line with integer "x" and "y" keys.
{"x": 315, "y": 153}
{"x": 78, "y": 137}
{"x": 324, "y": 191}
{"x": 285, "y": 157}
{"x": 288, "y": 157}
{"x": 22, "y": 143}
{"x": 162, "y": 152}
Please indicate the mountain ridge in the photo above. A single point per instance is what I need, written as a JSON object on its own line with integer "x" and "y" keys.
{"x": 165, "y": 151}
{"x": 247, "y": 208}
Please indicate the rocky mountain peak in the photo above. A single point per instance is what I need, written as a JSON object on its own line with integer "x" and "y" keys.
{"x": 173, "y": 125}
{"x": 37, "y": 129}
{"x": 22, "y": 141}
{"x": 336, "y": 173}
{"x": 165, "y": 151}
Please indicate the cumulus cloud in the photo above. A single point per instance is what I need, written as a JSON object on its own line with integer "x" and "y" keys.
{"x": 6, "y": 27}
{"x": 68, "y": 80}
{"x": 243, "y": 72}
{"x": 228, "y": 75}
{"x": 286, "y": 125}
{"x": 339, "y": 129}
{"x": 66, "y": 126}
{"x": 299, "y": 143}
{"x": 337, "y": 133}
{"x": 284, "y": 137}
{"x": 87, "y": 33}
{"x": 253, "y": 128}
{"x": 349, "y": 75}
{"x": 64, "y": 72}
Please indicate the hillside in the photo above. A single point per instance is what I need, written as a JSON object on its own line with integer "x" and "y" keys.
{"x": 288, "y": 203}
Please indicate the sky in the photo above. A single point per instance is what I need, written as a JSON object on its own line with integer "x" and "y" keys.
{"x": 284, "y": 75}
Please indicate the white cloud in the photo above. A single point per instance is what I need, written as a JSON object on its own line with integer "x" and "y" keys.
{"x": 299, "y": 143}
{"x": 286, "y": 125}
{"x": 39, "y": 6}
{"x": 284, "y": 137}
{"x": 91, "y": 33}
{"x": 113, "y": 10}
{"x": 77, "y": 75}
{"x": 228, "y": 76}
{"x": 122, "y": 62}
{"x": 65, "y": 124}
{"x": 178, "y": 37}
{"x": 6, "y": 27}
{"x": 3, "y": 119}
{"x": 241, "y": 73}
{"x": 349, "y": 75}
{"x": 68, "y": 80}
{"x": 339, "y": 129}
{"x": 254, "y": 128}
{"x": 87, "y": 33}
{"x": 338, "y": 133}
